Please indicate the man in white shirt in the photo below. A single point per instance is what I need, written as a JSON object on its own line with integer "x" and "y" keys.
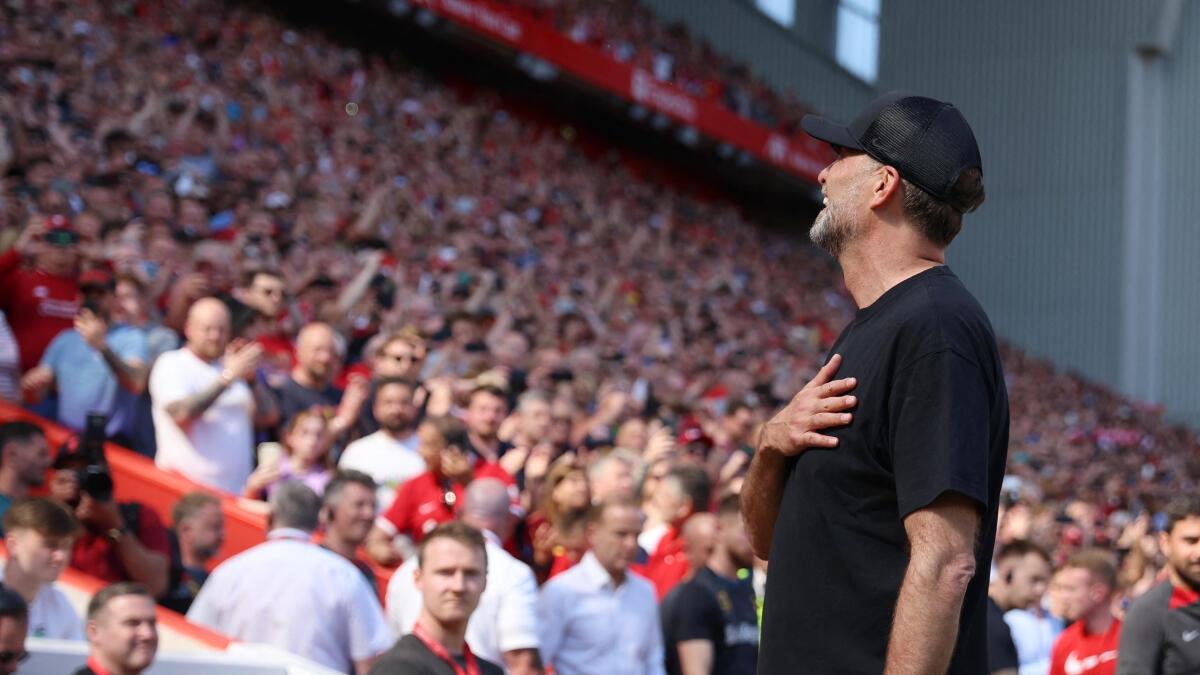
{"x": 389, "y": 455}
{"x": 204, "y": 410}
{"x": 503, "y": 628}
{"x": 597, "y": 617}
{"x": 40, "y": 534}
{"x": 293, "y": 594}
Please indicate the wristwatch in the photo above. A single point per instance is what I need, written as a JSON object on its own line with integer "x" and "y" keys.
{"x": 115, "y": 534}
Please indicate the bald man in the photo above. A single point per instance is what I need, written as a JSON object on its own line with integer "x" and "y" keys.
{"x": 503, "y": 628}
{"x": 318, "y": 359}
{"x": 699, "y": 539}
{"x": 206, "y": 402}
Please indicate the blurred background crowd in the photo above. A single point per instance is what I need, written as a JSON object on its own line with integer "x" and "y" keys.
{"x": 263, "y": 254}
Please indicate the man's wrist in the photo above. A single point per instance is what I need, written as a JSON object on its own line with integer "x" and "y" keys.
{"x": 226, "y": 378}
{"x": 763, "y": 446}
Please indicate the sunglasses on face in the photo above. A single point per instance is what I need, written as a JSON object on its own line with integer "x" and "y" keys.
{"x": 14, "y": 657}
{"x": 402, "y": 358}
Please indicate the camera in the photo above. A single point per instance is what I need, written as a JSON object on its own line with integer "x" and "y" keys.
{"x": 94, "y": 479}
{"x": 96, "y": 482}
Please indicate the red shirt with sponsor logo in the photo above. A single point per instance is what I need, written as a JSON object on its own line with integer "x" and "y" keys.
{"x": 1078, "y": 652}
{"x": 421, "y": 504}
{"x": 38, "y": 306}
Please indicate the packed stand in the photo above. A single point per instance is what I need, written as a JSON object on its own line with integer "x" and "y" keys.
{"x": 418, "y": 309}
{"x": 628, "y": 31}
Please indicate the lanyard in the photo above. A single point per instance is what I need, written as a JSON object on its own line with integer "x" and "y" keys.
{"x": 439, "y": 651}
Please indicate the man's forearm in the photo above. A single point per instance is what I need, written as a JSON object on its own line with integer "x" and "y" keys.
{"x": 130, "y": 376}
{"x": 266, "y": 410}
{"x": 762, "y": 492}
{"x": 143, "y": 565}
{"x": 925, "y": 627}
{"x": 189, "y": 408}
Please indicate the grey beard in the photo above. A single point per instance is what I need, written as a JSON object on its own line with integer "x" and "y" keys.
{"x": 830, "y": 232}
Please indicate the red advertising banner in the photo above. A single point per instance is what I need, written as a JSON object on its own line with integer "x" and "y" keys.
{"x": 804, "y": 156}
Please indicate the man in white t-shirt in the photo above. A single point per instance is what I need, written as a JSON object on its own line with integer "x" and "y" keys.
{"x": 204, "y": 408}
{"x": 40, "y": 534}
{"x": 291, "y": 593}
{"x": 389, "y": 455}
{"x": 504, "y": 627}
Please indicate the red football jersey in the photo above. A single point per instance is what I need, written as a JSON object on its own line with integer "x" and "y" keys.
{"x": 422, "y": 504}
{"x": 38, "y": 306}
{"x": 1077, "y": 652}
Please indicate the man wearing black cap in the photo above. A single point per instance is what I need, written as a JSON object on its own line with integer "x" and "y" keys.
{"x": 874, "y": 495}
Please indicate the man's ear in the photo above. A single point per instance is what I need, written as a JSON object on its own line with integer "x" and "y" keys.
{"x": 885, "y": 186}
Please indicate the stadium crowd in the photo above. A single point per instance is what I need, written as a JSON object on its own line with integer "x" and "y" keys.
{"x": 270, "y": 260}
{"x": 630, "y": 32}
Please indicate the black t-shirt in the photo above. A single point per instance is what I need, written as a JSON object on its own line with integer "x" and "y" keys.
{"x": 184, "y": 582}
{"x": 719, "y": 610}
{"x": 295, "y": 399}
{"x": 1002, "y": 651}
{"x": 410, "y": 656}
{"x": 932, "y": 417}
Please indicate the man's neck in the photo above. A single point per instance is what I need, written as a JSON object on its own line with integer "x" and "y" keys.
{"x": 722, "y": 563}
{"x": 199, "y": 355}
{"x": 340, "y": 545}
{"x": 618, "y": 576}
{"x": 111, "y": 668}
{"x": 487, "y": 447}
{"x": 12, "y": 486}
{"x": 24, "y": 584}
{"x": 452, "y": 636}
{"x": 189, "y": 558}
{"x": 1098, "y": 621}
{"x": 396, "y": 434}
{"x": 873, "y": 264}
{"x": 999, "y": 598}
{"x": 1180, "y": 581}
{"x": 303, "y": 378}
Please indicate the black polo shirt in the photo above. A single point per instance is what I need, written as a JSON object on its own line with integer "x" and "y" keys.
{"x": 410, "y": 656}
{"x": 932, "y": 417}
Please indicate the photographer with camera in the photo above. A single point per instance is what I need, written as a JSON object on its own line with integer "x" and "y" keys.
{"x": 121, "y": 541}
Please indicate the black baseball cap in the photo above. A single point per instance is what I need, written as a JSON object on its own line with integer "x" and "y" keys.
{"x": 927, "y": 140}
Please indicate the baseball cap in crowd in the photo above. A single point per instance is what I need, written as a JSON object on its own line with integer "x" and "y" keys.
{"x": 59, "y": 232}
{"x": 927, "y": 140}
{"x": 96, "y": 278}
